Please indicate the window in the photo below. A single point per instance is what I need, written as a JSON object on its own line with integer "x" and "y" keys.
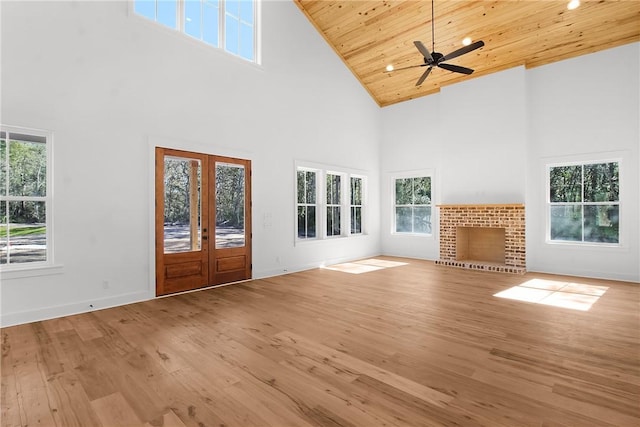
{"x": 329, "y": 203}
{"x": 25, "y": 205}
{"x": 307, "y": 195}
{"x": 230, "y": 24}
{"x": 334, "y": 204}
{"x": 356, "y": 205}
{"x": 413, "y": 205}
{"x": 584, "y": 202}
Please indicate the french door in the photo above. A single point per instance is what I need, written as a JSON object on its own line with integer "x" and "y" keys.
{"x": 203, "y": 220}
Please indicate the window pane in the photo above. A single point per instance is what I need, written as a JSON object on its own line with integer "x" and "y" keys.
{"x": 181, "y": 204}
{"x": 246, "y": 11}
{"x": 3, "y": 166}
{"x": 26, "y": 232}
{"x": 422, "y": 190}
{"x": 356, "y": 220}
{"x": 356, "y": 191}
{"x": 229, "y": 206}
{"x": 193, "y": 18}
{"x": 310, "y": 187}
{"x": 566, "y": 223}
{"x": 601, "y": 223}
{"x": 601, "y": 182}
{"x": 306, "y": 222}
{"x": 404, "y": 191}
{"x": 403, "y": 220}
{"x": 246, "y": 41}
{"x": 231, "y": 34}
{"x": 422, "y": 220}
{"x": 167, "y": 13}
{"x": 146, "y": 8}
{"x": 333, "y": 221}
{"x": 210, "y": 23}
{"x": 333, "y": 189}
{"x": 232, "y": 7}
{"x": 27, "y": 168}
{"x": 565, "y": 184}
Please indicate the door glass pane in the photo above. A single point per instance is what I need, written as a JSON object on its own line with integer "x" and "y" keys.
{"x": 182, "y": 177}
{"x": 230, "y": 230}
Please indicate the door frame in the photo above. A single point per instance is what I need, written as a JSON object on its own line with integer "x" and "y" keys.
{"x": 154, "y": 142}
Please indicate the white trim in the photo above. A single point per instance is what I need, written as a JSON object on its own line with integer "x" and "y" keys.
{"x": 47, "y": 199}
{"x": 393, "y": 176}
{"x": 321, "y": 171}
{"x": 22, "y": 317}
{"x": 584, "y": 159}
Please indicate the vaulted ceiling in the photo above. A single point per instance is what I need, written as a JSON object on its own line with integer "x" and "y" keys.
{"x": 370, "y": 35}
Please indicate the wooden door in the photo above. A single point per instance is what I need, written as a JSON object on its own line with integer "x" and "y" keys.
{"x": 199, "y": 196}
{"x": 230, "y": 209}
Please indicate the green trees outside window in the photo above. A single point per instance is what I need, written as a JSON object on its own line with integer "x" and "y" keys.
{"x": 584, "y": 202}
{"x": 23, "y": 198}
{"x": 413, "y": 205}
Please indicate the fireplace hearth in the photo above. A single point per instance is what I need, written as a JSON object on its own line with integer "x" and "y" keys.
{"x": 483, "y": 237}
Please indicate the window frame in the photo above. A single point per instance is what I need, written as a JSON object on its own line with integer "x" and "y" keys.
{"x": 322, "y": 171}
{"x": 316, "y": 205}
{"x": 406, "y": 175}
{"x": 221, "y": 47}
{"x": 39, "y": 267}
{"x": 361, "y": 205}
{"x": 582, "y": 203}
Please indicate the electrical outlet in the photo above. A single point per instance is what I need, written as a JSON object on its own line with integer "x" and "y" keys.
{"x": 105, "y": 284}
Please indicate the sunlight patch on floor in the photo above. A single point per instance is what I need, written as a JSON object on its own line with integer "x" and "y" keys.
{"x": 576, "y": 296}
{"x": 364, "y": 266}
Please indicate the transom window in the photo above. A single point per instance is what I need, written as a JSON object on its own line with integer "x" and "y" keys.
{"x": 25, "y": 205}
{"x": 228, "y": 24}
{"x": 412, "y": 205}
{"x": 584, "y": 202}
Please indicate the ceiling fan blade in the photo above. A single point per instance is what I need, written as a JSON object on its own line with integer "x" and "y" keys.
{"x": 424, "y": 51}
{"x": 456, "y": 68}
{"x": 424, "y": 76}
{"x": 463, "y": 50}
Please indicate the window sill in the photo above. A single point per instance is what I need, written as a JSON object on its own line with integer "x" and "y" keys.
{"x": 23, "y": 272}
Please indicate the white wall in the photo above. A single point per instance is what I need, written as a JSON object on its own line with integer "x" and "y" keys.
{"x": 110, "y": 85}
{"x": 578, "y": 113}
{"x": 471, "y": 134}
{"x": 490, "y": 138}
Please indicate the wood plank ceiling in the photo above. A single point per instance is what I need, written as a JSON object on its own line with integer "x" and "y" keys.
{"x": 369, "y": 35}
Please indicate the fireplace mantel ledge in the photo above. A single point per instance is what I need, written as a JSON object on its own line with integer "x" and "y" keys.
{"x": 498, "y": 205}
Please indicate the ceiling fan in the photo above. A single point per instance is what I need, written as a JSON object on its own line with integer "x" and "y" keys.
{"x": 436, "y": 59}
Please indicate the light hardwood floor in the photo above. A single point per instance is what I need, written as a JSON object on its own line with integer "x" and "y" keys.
{"x": 412, "y": 345}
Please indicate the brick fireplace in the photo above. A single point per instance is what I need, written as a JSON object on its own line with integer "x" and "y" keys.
{"x": 483, "y": 237}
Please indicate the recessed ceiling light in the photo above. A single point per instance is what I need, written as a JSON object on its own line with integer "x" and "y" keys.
{"x": 466, "y": 41}
{"x": 389, "y": 67}
{"x": 573, "y": 4}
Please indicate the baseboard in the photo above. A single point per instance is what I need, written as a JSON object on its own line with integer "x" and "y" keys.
{"x": 263, "y": 274}
{"x": 591, "y": 274}
{"x": 11, "y": 319}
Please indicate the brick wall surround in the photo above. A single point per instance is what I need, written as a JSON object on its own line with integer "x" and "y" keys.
{"x": 507, "y": 216}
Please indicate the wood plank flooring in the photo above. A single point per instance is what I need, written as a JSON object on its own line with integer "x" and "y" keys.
{"x": 412, "y": 345}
